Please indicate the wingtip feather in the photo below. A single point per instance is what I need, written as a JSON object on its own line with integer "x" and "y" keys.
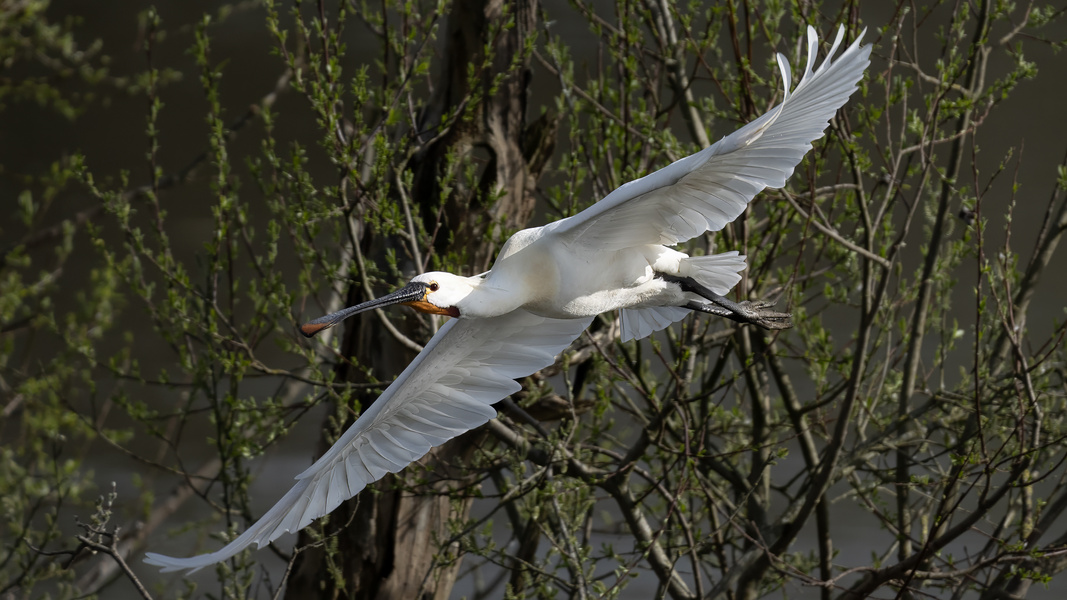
{"x": 787, "y": 76}
{"x": 813, "y": 44}
{"x": 169, "y": 564}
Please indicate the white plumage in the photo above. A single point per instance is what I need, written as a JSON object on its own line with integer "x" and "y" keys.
{"x": 547, "y": 285}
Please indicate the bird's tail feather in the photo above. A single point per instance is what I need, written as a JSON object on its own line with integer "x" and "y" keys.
{"x": 718, "y": 272}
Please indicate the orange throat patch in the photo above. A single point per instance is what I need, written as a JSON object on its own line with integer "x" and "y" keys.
{"x": 425, "y": 307}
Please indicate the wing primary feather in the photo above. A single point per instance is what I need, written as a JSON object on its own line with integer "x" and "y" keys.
{"x": 833, "y": 47}
{"x": 787, "y": 76}
{"x": 813, "y": 43}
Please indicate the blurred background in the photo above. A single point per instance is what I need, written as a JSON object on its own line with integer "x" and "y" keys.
{"x": 114, "y": 113}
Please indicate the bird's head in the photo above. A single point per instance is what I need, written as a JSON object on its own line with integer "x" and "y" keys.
{"x": 442, "y": 293}
{"x": 435, "y": 293}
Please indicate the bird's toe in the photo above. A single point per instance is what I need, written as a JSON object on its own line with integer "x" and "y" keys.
{"x": 758, "y": 314}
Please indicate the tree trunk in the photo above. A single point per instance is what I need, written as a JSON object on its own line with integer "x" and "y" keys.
{"x": 390, "y": 547}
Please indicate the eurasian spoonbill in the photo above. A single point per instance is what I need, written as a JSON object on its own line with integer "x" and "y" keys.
{"x": 549, "y": 282}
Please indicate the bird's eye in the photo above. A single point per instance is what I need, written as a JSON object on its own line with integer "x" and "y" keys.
{"x": 434, "y": 287}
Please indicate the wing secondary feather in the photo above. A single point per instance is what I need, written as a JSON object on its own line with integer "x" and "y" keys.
{"x": 447, "y": 390}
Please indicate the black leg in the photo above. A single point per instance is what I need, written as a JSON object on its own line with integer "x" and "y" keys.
{"x": 755, "y": 313}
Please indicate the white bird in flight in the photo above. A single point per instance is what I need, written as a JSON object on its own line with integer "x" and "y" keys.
{"x": 547, "y": 285}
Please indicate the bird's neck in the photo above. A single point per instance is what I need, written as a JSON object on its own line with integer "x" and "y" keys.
{"x": 523, "y": 276}
{"x": 486, "y": 300}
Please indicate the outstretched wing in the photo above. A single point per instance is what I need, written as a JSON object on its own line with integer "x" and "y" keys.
{"x": 707, "y": 190}
{"x": 447, "y": 390}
